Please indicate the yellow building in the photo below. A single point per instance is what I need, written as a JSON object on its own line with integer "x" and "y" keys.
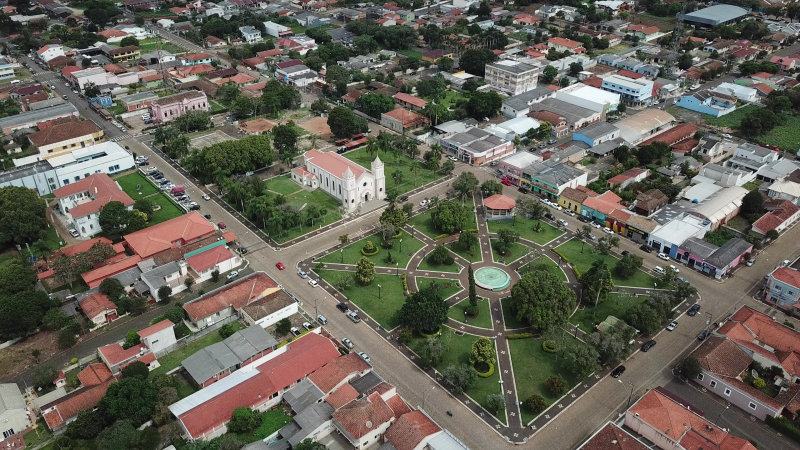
{"x": 434, "y": 56}
{"x": 572, "y": 199}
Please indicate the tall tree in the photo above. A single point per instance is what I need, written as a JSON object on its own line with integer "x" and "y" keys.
{"x": 22, "y": 215}
{"x": 131, "y": 399}
{"x": 473, "y": 295}
{"x": 424, "y": 311}
{"x": 542, "y": 300}
{"x": 114, "y": 217}
{"x": 465, "y": 184}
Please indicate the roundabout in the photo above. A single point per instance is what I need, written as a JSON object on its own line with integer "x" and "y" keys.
{"x": 492, "y": 278}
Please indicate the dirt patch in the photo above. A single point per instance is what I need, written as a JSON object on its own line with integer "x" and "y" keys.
{"x": 17, "y": 358}
{"x": 318, "y": 126}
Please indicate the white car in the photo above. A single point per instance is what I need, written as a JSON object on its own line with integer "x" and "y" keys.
{"x": 674, "y": 269}
{"x": 206, "y": 197}
{"x": 74, "y": 232}
{"x": 726, "y": 135}
{"x": 424, "y": 202}
{"x": 556, "y": 206}
{"x": 66, "y": 84}
{"x": 233, "y": 274}
{"x": 364, "y": 357}
{"x": 596, "y": 225}
{"x": 672, "y": 325}
{"x": 347, "y": 342}
{"x": 452, "y": 158}
{"x": 313, "y": 283}
{"x": 659, "y": 270}
{"x": 545, "y": 201}
{"x": 302, "y": 274}
{"x": 663, "y": 256}
{"x": 607, "y": 230}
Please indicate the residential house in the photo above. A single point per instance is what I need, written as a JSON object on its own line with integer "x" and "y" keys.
{"x": 401, "y": 119}
{"x": 50, "y": 51}
{"x": 13, "y": 414}
{"x": 172, "y": 234}
{"x": 115, "y": 357}
{"x": 645, "y": 33}
{"x": 215, "y": 42}
{"x": 742, "y": 93}
{"x": 173, "y": 106}
{"x": 193, "y": 59}
{"x": 61, "y": 411}
{"x": 302, "y": 44}
{"x": 778, "y": 219}
{"x": 159, "y": 337}
{"x": 751, "y": 157}
{"x": 611, "y": 436}
{"x": 560, "y": 44}
{"x": 715, "y": 149}
{"x": 250, "y": 34}
{"x": 82, "y": 200}
{"x": 708, "y": 102}
{"x": 785, "y": 63}
{"x": 123, "y": 54}
{"x": 6, "y": 69}
{"x": 211, "y": 258}
{"x": 433, "y": 56}
{"x": 66, "y": 137}
{"x": 226, "y": 301}
{"x": 409, "y": 101}
{"x": 559, "y": 126}
{"x": 633, "y": 175}
{"x": 649, "y": 202}
{"x": 270, "y": 309}
{"x": 783, "y": 289}
{"x": 98, "y": 308}
{"x": 784, "y": 190}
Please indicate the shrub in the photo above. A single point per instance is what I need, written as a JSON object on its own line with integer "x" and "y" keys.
{"x": 283, "y": 327}
{"x": 759, "y": 383}
{"x": 536, "y": 404}
{"x": 405, "y": 335}
{"x": 398, "y": 235}
{"x": 370, "y": 249}
{"x": 405, "y": 283}
{"x": 471, "y": 310}
{"x": 488, "y": 373}
{"x": 432, "y": 334}
{"x": 73, "y": 361}
{"x": 226, "y": 330}
{"x": 575, "y": 269}
{"x": 441, "y": 236}
{"x": 560, "y": 254}
{"x": 519, "y": 336}
{"x": 550, "y": 346}
{"x": 786, "y": 427}
{"x": 557, "y": 385}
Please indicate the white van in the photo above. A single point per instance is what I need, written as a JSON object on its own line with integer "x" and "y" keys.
{"x": 659, "y": 270}
{"x": 15, "y": 82}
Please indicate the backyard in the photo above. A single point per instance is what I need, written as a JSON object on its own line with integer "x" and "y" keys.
{"x": 129, "y": 184}
{"x": 532, "y": 367}
{"x": 352, "y": 253}
{"x": 271, "y": 421}
{"x": 583, "y": 261}
{"x": 169, "y": 209}
{"x": 457, "y": 351}
{"x": 173, "y": 359}
{"x": 395, "y": 162}
{"x": 525, "y": 228}
{"x": 424, "y": 223}
{"x": 383, "y": 308}
{"x": 617, "y": 305}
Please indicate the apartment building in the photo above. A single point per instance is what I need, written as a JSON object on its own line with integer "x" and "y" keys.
{"x": 512, "y": 77}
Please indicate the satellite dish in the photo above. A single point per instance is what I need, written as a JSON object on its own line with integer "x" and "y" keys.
{"x": 368, "y": 424}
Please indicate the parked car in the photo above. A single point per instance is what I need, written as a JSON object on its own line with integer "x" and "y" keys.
{"x": 364, "y": 357}
{"x": 551, "y": 141}
{"x": 347, "y": 343}
{"x": 663, "y": 256}
{"x": 549, "y": 216}
{"x": 693, "y": 310}
{"x": 452, "y": 158}
{"x": 607, "y": 230}
{"x": 322, "y": 319}
{"x": 659, "y": 270}
{"x": 302, "y": 274}
{"x": 591, "y": 237}
{"x": 672, "y": 325}
{"x": 280, "y": 265}
{"x": 243, "y": 250}
{"x": 583, "y": 219}
{"x": 193, "y": 206}
{"x": 206, "y": 197}
{"x": 307, "y": 326}
{"x": 625, "y": 253}
{"x": 645, "y": 248}
{"x": 424, "y": 202}
{"x": 353, "y": 316}
{"x": 596, "y": 225}
{"x": 295, "y": 331}
{"x": 74, "y": 233}
{"x": 674, "y": 269}
{"x": 342, "y": 307}
{"x": 563, "y": 223}
{"x": 221, "y": 225}
{"x": 313, "y": 283}
{"x": 556, "y": 206}
{"x": 505, "y": 182}
{"x": 617, "y": 372}
{"x": 703, "y": 335}
{"x": 750, "y": 262}
{"x": 233, "y": 274}
{"x": 569, "y": 212}
{"x": 402, "y": 198}
{"x": 648, "y": 345}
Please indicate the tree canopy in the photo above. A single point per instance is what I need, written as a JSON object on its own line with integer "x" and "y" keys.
{"x": 424, "y": 311}
{"x": 130, "y": 399}
{"x": 344, "y": 123}
{"x": 231, "y": 157}
{"x": 541, "y": 299}
{"x": 22, "y": 215}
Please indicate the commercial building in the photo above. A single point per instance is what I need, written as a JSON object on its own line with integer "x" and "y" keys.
{"x": 669, "y": 237}
{"x": 715, "y": 15}
{"x": 513, "y": 128}
{"x": 512, "y": 77}
{"x": 638, "y": 127}
{"x": 575, "y": 117}
{"x": 591, "y": 98}
{"x": 597, "y": 133}
{"x": 173, "y": 106}
{"x": 743, "y": 93}
{"x": 30, "y": 119}
{"x": 476, "y": 146}
{"x": 708, "y": 102}
{"x": 342, "y": 179}
{"x": 13, "y": 413}
{"x": 277, "y": 30}
{"x": 631, "y": 91}
{"x": 520, "y": 105}
{"x": 573, "y": 198}
{"x": 66, "y": 136}
{"x": 511, "y": 167}
{"x": 6, "y": 69}
{"x": 549, "y": 178}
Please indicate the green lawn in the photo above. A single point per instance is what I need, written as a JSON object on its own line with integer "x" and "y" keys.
{"x": 532, "y": 367}
{"x": 410, "y": 53}
{"x": 785, "y": 136}
{"x": 447, "y": 287}
{"x": 159, "y": 13}
{"x": 615, "y": 49}
{"x": 302, "y": 198}
{"x": 129, "y": 182}
{"x": 457, "y": 351}
{"x": 384, "y": 309}
{"x": 173, "y": 359}
{"x": 583, "y": 261}
{"x": 352, "y": 253}
{"x": 519, "y": 35}
{"x": 484, "y": 319}
{"x": 424, "y": 223}
{"x": 169, "y": 209}
{"x": 732, "y": 120}
{"x": 525, "y": 229}
{"x": 216, "y": 107}
{"x": 545, "y": 263}
{"x": 752, "y": 185}
{"x": 282, "y": 185}
{"x": 428, "y": 265}
{"x": 394, "y": 162}
{"x": 149, "y": 45}
{"x": 450, "y": 99}
{"x": 52, "y": 238}
{"x": 272, "y": 421}
{"x": 616, "y": 305}
{"x": 473, "y": 255}
{"x": 510, "y": 320}
{"x": 37, "y": 436}
{"x": 517, "y": 251}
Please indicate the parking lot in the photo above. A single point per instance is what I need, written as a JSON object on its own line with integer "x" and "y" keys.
{"x": 177, "y": 193}
{"x": 206, "y": 140}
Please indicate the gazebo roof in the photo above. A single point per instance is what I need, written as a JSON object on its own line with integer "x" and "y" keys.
{"x": 499, "y": 201}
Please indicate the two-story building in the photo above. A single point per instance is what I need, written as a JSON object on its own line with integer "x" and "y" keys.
{"x": 68, "y": 135}
{"x": 173, "y": 106}
{"x": 708, "y": 102}
{"x": 159, "y": 337}
{"x": 751, "y": 157}
{"x": 476, "y": 146}
{"x": 250, "y": 34}
{"x": 123, "y": 54}
{"x": 80, "y": 202}
{"x": 277, "y": 30}
{"x": 549, "y": 178}
{"x": 631, "y": 91}
{"x": 511, "y": 167}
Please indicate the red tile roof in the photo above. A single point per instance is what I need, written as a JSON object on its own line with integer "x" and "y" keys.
{"x": 76, "y": 401}
{"x": 761, "y": 87}
{"x": 153, "y": 329}
{"x": 753, "y": 325}
{"x": 237, "y": 294}
{"x": 363, "y": 416}
{"x": 269, "y": 53}
{"x": 627, "y": 175}
{"x": 499, "y": 201}
{"x": 410, "y": 430}
{"x": 333, "y": 163}
{"x": 674, "y": 135}
{"x": 612, "y": 437}
{"x": 338, "y": 370}
{"x": 84, "y": 246}
{"x": 101, "y": 187}
{"x": 629, "y": 74}
{"x": 196, "y": 56}
{"x": 410, "y": 99}
{"x": 787, "y": 275}
{"x": 565, "y": 42}
{"x": 170, "y": 234}
{"x": 209, "y": 258}
{"x": 408, "y": 118}
{"x": 302, "y": 357}
{"x": 722, "y": 357}
{"x": 115, "y": 354}
{"x": 93, "y": 278}
{"x": 764, "y": 75}
{"x": 95, "y": 304}
{"x": 342, "y": 396}
{"x": 62, "y": 132}
{"x": 94, "y": 374}
{"x": 774, "y": 219}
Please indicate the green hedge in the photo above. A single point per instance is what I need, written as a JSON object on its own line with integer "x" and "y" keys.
{"x": 575, "y": 269}
{"x": 550, "y": 346}
{"x": 436, "y": 334}
{"x": 785, "y": 427}
{"x": 377, "y": 250}
{"x": 561, "y": 255}
{"x": 441, "y": 236}
{"x": 519, "y": 336}
{"x": 405, "y": 283}
{"x": 486, "y": 374}
{"x": 398, "y": 235}
{"x": 471, "y": 230}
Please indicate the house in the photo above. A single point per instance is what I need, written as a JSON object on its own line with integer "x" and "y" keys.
{"x": 751, "y": 157}
{"x": 559, "y": 126}
{"x": 297, "y": 74}
{"x": 6, "y": 69}
{"x": 212, "y": 258}
{"x": 250, "y": 34}
{"x": 193, "y": 59}
{"x": 783, "y": 289}
{"x": 779, "y": 219}
{"x": 50, "y": 51}
{"x": 665, "y": 421}
{"x": 785, "y": 63}
{"x": 433, "y": 56}
{"x": 82, "y": 201}
{"x": 174, "y": 233}
{"x": 115, "y": 357}
{"x": 476, "y": 146}
{"x": 66, "y": 137}
{"x": 301, "y": 44}
{"x": 159, "y": 337}
{"x": 596, "y": 133}
{"x": 784, "y": 190}
{"x": 122, "y": 54}
{"x": 606, "y": 210}
{"x": 341, "y": 178}
{"x": 649, "y": 202}
{"x": 173, "y": 106}
{"x": 520, "y": 105}
{"x": 270, "y": 309}
{"x": 560, "y": 44}
{"x": 341, "y": 36}
{"x": 258, "y": 386}
{"x": 98, "y": 308}
{"x": 742, "y": 93}
{"x": 215, "y": 42}
{"x": 401, "y": 119}
{"x": 13, "y": 412}
{"x": 219, "y": 360}
{"x": 349, "y": 419}
{"x": 645, "y": 33}
{"x": 633, "y": 175}
{"x": 228, "y": 300}
{"x": 549, "y": 178}
{"x": 714, "y": 149}
{"x": 708, "y": 102}
{"x": 409, "y": 101}
{"x": 612, "y": 437}
{"x": 60, "y": 412}
{"x": 573, "y": 198}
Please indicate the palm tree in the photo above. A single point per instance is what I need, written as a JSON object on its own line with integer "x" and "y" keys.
{"x": 372, "y": 147}
{"x": 391, "y": 198}
{"x": 41, "y": 249}
{"x": 397, "y": 176}
{"x": 385, "y": 142}
{"x": 437, "y": 150}
{"x": 415, "y": 169}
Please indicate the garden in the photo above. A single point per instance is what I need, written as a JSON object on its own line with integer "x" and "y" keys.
{"x": 396, "y": 162}
{"x": 536, "y": 231}
{"x": 546, "y": 264}
{"x": 424, "y": 222}
{"x": 381, "y": 299}
{"x": 617, "y": 305}
{"x": 515, "y": 251}
{"x": 400, "y": 252}
{"x": 458, "y": 312}
{"x": 137, "y": 186}
{"x": 302, "y": 199}
{"x": 129, "y": 184}
{"x": 583, "y": 255}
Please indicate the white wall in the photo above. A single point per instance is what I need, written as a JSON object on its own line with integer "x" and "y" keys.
{"x": 278, "y": 315}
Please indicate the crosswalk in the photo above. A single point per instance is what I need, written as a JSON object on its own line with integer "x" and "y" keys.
{"x": 120, "y": 138}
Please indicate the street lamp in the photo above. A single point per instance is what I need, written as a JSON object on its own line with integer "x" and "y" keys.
{"x": 425, "y": 397}
{"x": 631, "y": 394}
{"x": 341, "y": 252}
{"x": 412, "y": 231}
{"x": 727, "y": 405}
{"x": 397, "y": 269}
{"x": 401, "y": 246}
{"x": 379, "y": 291}
{"x": 465, "y": 316}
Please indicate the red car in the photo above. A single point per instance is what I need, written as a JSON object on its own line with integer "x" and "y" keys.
{"x": 505, "y": 182}
{"x": 221, "y": 225}
{"x": 280, "y": 266}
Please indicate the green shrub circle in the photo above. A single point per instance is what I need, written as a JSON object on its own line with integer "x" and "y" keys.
{"x": 431, "y": 335}
{"x": 550, "y": 346}
{"x": 486, "y": 374}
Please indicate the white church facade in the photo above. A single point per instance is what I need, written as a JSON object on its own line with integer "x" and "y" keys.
{"x": 341, "y": 178}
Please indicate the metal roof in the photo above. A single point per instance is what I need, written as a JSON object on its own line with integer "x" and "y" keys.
{"x": 716, "y": 14}
{"x": 309, "y": 420}
{"x": 303, "y": 395}
{"x": 229, "y": 353}
{"x": 40, "y": 115}
{"x": 699, "y": 247}
{"x": 597, "y": 130}
{"x": 729, "y": 252}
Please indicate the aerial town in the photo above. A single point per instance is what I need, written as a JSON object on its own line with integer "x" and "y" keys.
{"x": 417, "y": 225}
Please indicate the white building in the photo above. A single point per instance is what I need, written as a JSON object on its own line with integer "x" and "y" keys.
{"x": 743, "y": 93}
{"x": 589, "y": 97}
{"x": 81, "y": 202}
{"x": 512, "y": 128}
{"x": 520, "y": 105}
{"x": 13, "y": 412}
{"x": 512, "y": 77}
{"x": 217, "y": 257}
{"x": 159, "y": 337}
{"x": 6, "y": 69}
{"x": 751, "y": 157}
{"x": 99, "y": 77}
{"x": 668, "y": 238}
{"x": 644, "y": 124}
{"x": 251, "y": 34}
{"x": 633, "y": 91}
{"x": 50, "y": 51}
{"x": 341, "y": 178}
{"x": 277, "y": 30}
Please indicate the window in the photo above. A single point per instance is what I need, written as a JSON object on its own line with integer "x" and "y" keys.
{"x": 77, "y": 178}
{"x": 713, "y": 384}
{"x": 752, "y": 406}
{"x": 700, "y": 376}
{"x": 66, "y": 180}
{"x": 727, "y": 392}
